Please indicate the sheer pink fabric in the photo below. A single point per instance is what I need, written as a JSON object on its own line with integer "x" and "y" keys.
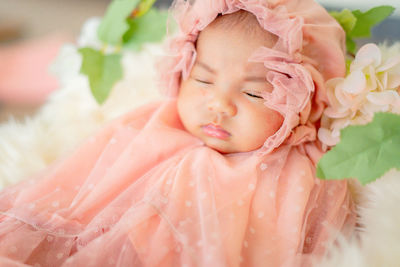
{"x": 144, "y": 192}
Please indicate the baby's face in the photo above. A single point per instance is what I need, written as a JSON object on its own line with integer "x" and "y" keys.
{"x": 221, "y": 101}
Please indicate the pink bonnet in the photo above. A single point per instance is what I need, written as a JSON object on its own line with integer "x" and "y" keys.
{"x": 309, "y": 51}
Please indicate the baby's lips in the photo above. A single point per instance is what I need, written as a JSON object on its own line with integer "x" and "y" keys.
{"x": 215, "y": 131}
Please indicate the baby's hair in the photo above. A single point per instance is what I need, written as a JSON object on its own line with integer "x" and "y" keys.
{"x": 246, "y": 21}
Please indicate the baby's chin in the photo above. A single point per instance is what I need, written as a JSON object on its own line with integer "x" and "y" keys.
{"x": 220, "y": 149}
{"x": 228, "y": 146}
{"x": 223, "y": 146}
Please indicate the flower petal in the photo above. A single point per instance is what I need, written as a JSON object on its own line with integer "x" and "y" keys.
{"x": 355, "y": 82}
{"x": 382, "y": 80}
{"x": 369, "y": 54}
{"x": 331, "y": 86}
{"x": 383, "y": 98}
{"x": 336, "y": 113}
{"x": 343, "y": 99}
{"x": 396, "y": 107}
{"x": 325, "y": 136}
{"x": 388, "y": 64}
{"x": 393, "y": 81}
{"x": 340, "y": 124}
{"x": 360, "y": 120}
{"x": 372, "y": 83}
{"x": 370, "y": 108}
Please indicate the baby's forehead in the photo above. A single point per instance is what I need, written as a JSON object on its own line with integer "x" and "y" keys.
{"x": 229, "y": 37}
{"x": 244, "y": 23}
{"x": 217, "y": 54}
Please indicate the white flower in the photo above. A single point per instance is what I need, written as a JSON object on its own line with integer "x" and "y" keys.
{"x": 67, "y": 65}
{"x": 371, "y": 86}
{"x": 88, "y": 36}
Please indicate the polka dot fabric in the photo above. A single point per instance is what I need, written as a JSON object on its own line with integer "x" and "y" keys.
{"x": 144, "y": 192}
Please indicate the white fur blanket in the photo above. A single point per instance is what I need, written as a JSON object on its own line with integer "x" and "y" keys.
{"x": 71, "y": 114}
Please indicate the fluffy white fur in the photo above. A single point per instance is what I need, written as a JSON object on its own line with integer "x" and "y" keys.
{"x": 71, "y": 114}
{"x": 376, "y": 243}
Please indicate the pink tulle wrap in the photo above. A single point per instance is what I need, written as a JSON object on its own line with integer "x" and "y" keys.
{"x": 144, "y": 192}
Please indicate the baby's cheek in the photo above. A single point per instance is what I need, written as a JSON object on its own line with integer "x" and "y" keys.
{"x": 183, "y": 107}
{"x": 278, "y": 119}
{"x": 253, "y": 128}
{"x": 194, "y": 93}
{"x": 204, "y": 92}
{"x": 189, "y": 108}
{"x": 266, "y": 123}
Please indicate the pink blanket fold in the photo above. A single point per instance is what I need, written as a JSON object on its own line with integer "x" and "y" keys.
{"x": 144, "y": 192}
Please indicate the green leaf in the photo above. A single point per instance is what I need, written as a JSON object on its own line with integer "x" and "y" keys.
{"x": 367, "y": 20}
{"x": 114, "y": 25}
{"x": 151, "y": 27}
{"x": 351, "y": 45}
{"x": 348, "y": 64}
{"x": 102, "y": 70}
{"x": 144, "y": 6}
{"x": 364, "y": 152}
{"x": 345, "y": 18}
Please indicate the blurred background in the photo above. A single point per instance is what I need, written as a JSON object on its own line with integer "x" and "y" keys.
{"x": 32, "y": 32}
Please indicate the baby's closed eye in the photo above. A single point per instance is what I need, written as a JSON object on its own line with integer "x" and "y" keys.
{"x": 257, "y": 90}
{"x": 203, "y": 81}
{"x": 254, "y": 94}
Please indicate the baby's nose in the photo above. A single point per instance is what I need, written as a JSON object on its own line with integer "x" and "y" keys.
{"x": 223, "y": 105}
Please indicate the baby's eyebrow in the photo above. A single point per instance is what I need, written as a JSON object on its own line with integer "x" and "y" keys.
{"x": 205, "y": 66}
{"x": 255, "y": 79}
{"x": 247, "y": 79}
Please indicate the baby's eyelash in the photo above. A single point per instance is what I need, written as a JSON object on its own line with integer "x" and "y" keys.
{"x": 202, "y": 81}
{"x": 252, "y": 95}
